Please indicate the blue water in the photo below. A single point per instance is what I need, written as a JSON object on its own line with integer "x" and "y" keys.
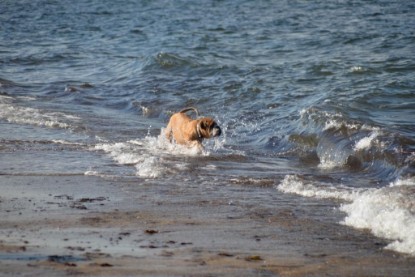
{"x": 321, "y": 91}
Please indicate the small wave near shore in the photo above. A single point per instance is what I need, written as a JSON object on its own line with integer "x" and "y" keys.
{"x": 388, "y": 212}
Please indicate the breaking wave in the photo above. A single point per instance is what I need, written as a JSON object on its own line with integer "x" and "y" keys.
{"x": 387, "y": 212}
{"x": 341, "y": 142}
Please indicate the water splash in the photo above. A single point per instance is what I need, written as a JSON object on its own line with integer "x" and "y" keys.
{"x": 387, "y": 212}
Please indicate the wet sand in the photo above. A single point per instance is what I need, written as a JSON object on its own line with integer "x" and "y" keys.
{"x": 86, "y": 225}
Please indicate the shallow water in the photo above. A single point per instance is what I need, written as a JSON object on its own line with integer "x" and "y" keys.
{"x": 314, "y": 98}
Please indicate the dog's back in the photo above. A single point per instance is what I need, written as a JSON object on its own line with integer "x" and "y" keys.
{"x": 181, "y": 127}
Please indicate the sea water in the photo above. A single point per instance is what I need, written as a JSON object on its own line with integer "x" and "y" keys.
{"x": 316, "y": 98}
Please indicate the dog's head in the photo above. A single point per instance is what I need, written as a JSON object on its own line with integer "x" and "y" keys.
{"x": 207, "y": 128}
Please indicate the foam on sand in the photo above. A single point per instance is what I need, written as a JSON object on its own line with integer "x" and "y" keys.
{"x": 387, "y": 212}
{"x": 296, "y": 185}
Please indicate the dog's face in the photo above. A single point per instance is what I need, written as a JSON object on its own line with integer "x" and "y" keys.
{"x": 208, "y": 128}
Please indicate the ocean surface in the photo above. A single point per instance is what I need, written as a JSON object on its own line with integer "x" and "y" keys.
{"x": 316, "y": 100}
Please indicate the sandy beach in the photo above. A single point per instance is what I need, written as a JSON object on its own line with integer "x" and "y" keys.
{"x": 86, "y": 225}
{"x": 313, "y": 173}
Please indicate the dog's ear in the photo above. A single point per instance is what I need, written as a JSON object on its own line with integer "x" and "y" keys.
{"x": 207, "y": 128}
{"x": 201, "y": 125}
{"x": 199, "y": 129}
{"x": 204, "y": 124}
{"x": 203, "y": 128}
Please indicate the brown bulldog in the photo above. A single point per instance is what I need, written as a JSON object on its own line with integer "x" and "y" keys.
{"x": 191, "y": 132}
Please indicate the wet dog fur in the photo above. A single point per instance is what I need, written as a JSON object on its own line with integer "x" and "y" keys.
{"x": 191, "y": 132}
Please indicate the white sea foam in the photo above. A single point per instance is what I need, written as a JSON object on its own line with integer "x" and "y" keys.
{"x": 365, "y": 142}
{"x": 327, "y": 163}
{"x": 65, "y": 142}
{"x": 333, "y": 120}
{"x": 27, "y": 98}
{"x": 150, "y": 167}
{"x": 336, "y": 156}
{"x": 121, "y": 152}
{"x": 129, "y": 153}
{"x": 91, "y": 173}
{"x": 404, "y": 182}
{"x": 357, "y": 69}
{"x": 148, "y": 155}
{"x": 387, "y": 212}
{"x": 296, "y": 185}
{"x": 25, "y": 115}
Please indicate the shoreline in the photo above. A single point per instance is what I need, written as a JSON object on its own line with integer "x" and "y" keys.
{"x": 86, "y": 225}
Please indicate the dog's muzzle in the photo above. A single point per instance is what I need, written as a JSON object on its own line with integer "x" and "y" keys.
{"x": 216, "y": 131}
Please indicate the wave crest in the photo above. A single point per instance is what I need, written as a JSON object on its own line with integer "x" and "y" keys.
{"x": 387, "y": 212}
